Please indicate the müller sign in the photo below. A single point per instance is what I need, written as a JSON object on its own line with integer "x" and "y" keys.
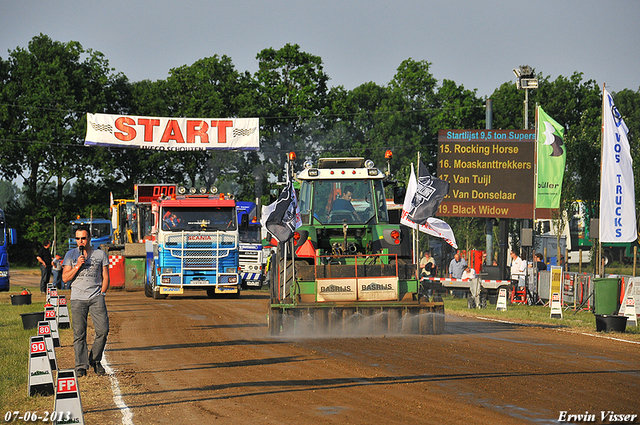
{"x": 172, "y": 134}
{"x": 491, "y": 172}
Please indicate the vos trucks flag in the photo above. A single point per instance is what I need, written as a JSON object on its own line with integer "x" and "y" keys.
{"x": 617, "y": 195}
{"x": 551, "y": 159}
{"x": 172, "y": 134}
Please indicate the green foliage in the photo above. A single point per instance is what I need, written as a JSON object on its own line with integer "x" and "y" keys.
{"x": 47, "y": 89}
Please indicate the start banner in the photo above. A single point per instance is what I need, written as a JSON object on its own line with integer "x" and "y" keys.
{"x": 172, "y": 134}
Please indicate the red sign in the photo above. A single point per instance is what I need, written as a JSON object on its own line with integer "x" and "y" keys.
{"x": 50, "y": 313}
{"x": 146, "y": 193}
{"x": 62, "y": 301}
{"x": 67, "y": 385}
{"x": 38, "y": 347}
{"x": 44, "y": 330}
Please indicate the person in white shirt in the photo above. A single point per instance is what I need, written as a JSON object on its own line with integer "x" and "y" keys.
{"x": 518, "y": 270}
{"x": 468, "y": 273}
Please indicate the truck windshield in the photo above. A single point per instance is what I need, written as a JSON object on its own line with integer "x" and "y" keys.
{"x": 98, "y": 230}
{"x": 339, "y": 201}
{"x": 198, "y": 218}
{"x": 251, "y": 235}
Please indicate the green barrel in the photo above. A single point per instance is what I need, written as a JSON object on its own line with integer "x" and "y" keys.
{"x": 607, "y": 295}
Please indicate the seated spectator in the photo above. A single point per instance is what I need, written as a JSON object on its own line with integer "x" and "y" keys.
{"x": 468, "y": 273}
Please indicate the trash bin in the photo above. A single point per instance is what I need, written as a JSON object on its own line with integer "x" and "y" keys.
{"x": 30, "y": 320}
{"x": 606, "y": 323}
{"x": 20, "y": 299}
{"x": 606, "y": 295}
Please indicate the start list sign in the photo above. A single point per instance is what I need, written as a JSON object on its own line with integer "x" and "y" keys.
{"x": 491, "y": 172}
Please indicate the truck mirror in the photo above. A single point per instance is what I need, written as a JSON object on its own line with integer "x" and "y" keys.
{"x": 244, "y": 222}
{"x": 398, "y": 194}
{"x": 13, "y": 236}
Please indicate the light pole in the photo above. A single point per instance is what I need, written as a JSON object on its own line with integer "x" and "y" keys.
{"x": 525, "y": 81}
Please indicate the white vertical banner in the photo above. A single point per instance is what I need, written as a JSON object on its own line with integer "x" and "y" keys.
{"x": 617, "y": 194}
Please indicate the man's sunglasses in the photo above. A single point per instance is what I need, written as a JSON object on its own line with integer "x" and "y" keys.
{"x": 82, "y": 239}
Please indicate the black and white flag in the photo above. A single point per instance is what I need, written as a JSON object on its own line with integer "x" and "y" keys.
{"x": 433, "y": 226}
{"x": 430, "y": 192}
{"x": 284, "y": 214}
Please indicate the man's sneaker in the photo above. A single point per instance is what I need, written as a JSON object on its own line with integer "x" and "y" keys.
{"x": 81, "y": 372}
{"x": 98, "y": 369}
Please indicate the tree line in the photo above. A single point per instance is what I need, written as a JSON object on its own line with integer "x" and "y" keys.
{"x": 47, "y": 88}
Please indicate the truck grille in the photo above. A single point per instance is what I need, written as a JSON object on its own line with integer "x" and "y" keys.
{"x": 201, "y": 252}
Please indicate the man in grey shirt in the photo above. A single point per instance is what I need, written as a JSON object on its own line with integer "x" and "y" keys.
{"x": 87, "y": 270}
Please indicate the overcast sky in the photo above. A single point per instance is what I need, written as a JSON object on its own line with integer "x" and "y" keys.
{"x": 474, "y": 43}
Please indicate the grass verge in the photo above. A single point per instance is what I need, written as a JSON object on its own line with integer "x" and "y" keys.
{"x": 582, "y": 320}
{"x": 14, "y": 352}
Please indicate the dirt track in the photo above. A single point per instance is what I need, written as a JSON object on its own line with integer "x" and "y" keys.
{"x": 193, "y": 360}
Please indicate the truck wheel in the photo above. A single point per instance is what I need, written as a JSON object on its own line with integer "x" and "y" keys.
{"x": 156, "y": 294}
{"x": 275, "y": 321}
{"x": 147, "y": 290}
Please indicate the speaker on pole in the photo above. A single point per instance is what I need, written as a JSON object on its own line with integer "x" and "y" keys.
{"x": 526, "y": 237}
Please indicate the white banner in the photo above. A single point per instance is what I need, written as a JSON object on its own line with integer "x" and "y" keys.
{"x": 617, "y": 195}
{"x": 172, "y": 134}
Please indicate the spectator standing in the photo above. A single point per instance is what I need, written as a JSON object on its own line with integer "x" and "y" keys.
{"x": 540, "y": 264}
{"x": 44, "y": 258}
{"x": 57, "y": 272}
{"x": 518, "y": 270}
{"x": 456, "y": 266}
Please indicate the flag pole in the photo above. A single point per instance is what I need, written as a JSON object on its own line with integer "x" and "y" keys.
{"x": 535, "y": 186}
{"x": 600, "y": 268}
{"x": 416, "y": 238}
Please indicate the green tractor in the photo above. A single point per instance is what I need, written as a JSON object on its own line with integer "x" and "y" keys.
{"x": 349, "y": 270}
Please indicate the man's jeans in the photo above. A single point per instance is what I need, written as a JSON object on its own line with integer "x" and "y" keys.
{"x": 80, "y": 309}
{"x": 45, "y": 275}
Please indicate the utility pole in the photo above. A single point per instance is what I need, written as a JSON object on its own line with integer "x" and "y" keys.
{"x": 489, "y": 221}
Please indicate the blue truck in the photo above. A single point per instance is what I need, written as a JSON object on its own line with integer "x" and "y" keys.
{"x": 193, "y": 245}
{"x": 251, "y": 269}
{"x": 100, "y": 229}
{"x": 8, "y": 237}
